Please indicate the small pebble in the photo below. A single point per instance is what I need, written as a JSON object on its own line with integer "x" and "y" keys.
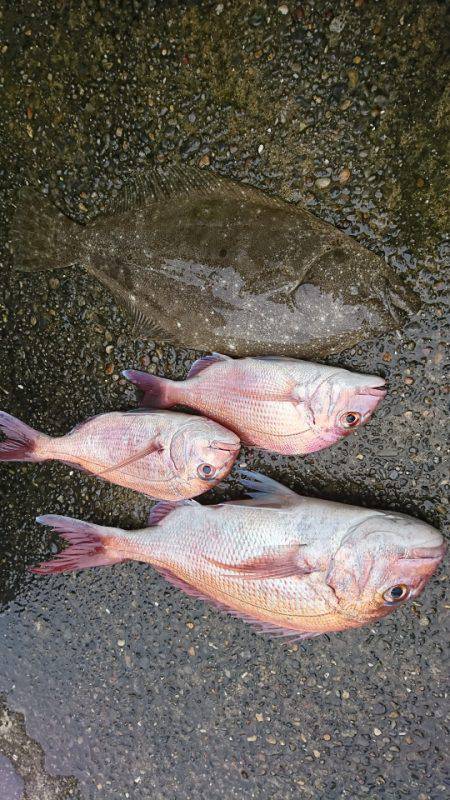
{"x": 353, "y": 78}
{"x": 121, "y": 642}
{"x": 283, "y": 9}
{"x": 337, "y": 24}
{"x": 323, "y": 183}
{"x": 344, "y": 175}
{"x": 204, "y": 161}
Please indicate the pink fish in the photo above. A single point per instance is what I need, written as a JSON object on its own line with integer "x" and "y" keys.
{"x": 279, "y": 404}
{"x": 162, "y": 454}
{"x": 291, "y": 565}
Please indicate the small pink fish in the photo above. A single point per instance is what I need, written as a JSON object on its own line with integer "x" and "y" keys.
{"x": 293, "y": 566}
{"x": 279, "y": 404}
{"x": 162, "y": 454}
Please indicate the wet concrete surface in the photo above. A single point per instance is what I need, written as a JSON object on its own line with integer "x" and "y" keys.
{"x": 129, "y": 687}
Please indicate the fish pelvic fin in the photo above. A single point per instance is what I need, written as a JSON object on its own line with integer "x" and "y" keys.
{"x": 90, "y": 545}
{"x": 21, "y": 442}
{"x": 158, "y": 392}
{"x": 41, "y": 236}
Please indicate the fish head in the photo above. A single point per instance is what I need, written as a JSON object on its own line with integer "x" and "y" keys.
{"x": 382, "y": 561}
{"x": 340, "y": 403}
{"x": 203, "y": 453}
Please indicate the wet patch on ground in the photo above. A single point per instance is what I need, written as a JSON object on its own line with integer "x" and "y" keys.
{"x": 22, "y": 772}
{"x": 126, "y": 684}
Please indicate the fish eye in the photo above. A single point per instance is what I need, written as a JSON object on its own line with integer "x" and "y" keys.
{"x": 396, "y": 593}
{"x": 205, "y": 471}
{"x": 351, "y": 419}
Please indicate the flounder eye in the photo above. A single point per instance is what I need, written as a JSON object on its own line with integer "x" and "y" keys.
{"x": 206, "y": 471}
{"x": 351, "y": 419}
{"x": 396, "y": 593}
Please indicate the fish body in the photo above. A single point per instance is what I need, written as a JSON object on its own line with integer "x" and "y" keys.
{"x": 164, "y": 455}
{"x": 208, "y": 263}
{"x": 278, "y": 404}
{"x": 290, "y": 565}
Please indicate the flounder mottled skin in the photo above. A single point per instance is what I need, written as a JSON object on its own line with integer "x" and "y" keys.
{"x": 216, "y": 265}
{"x": 293, "y": 566}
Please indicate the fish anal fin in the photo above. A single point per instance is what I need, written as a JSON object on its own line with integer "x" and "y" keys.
{"x": 205, "y": 362}
{"x": 260, "y": 626}
{"x": 143, "y": 324}
{"x": 284, "y": 561}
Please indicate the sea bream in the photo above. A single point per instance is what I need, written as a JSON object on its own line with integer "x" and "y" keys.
{"x": 162, "y": 454}
{"x": 208, "y": 263}
{"x": 278, "y": 404}
{"x": 290, "y": 565}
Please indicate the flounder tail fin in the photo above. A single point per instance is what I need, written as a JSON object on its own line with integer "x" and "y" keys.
{"x": 90, "y": 545}
{"x": 158, "y": 392}
{"x": 41, "y": 236}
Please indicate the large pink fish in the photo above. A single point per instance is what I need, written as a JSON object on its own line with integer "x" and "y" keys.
{"x": 278, "y": 404}
{"x": 291, "y": 565}
{"x": 162, "y": 454}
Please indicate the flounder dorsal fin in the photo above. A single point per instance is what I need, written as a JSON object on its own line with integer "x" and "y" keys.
{"x": 160, "y": 183}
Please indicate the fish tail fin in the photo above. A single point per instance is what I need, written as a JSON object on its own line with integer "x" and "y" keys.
{"x": 90, "y": 545}
{"x": 21, "y": 442}
{"x": 41, "y": 236}
{"x": 158, "y": 392}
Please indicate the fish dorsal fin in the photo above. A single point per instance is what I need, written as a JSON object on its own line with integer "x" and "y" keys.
{"x": 205, "y": 362}
{"x": 284, "y": 561}
{"x": 272, "y": 629}
{"x": 160, "y": 183}
{"x": 265, "y": 491}
{"x": 163, "y": 508}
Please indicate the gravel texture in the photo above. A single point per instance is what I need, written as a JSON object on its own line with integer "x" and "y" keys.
{"x": 129, "y": 687}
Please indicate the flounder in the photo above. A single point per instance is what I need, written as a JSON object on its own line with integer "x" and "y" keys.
{"x": 208, "y": 263}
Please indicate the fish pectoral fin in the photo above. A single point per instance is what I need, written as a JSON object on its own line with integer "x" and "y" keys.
{"x": 162, "y": 509}
{"x": 266, "y": 492}
{"x": 153, "y": 447}
{"x": 284, "y": 561}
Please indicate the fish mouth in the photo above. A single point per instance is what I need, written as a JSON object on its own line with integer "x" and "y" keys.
{"x": 226, "y": 446}
{"x": 377, "y": 389}
{"x": 431, "y": 553}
